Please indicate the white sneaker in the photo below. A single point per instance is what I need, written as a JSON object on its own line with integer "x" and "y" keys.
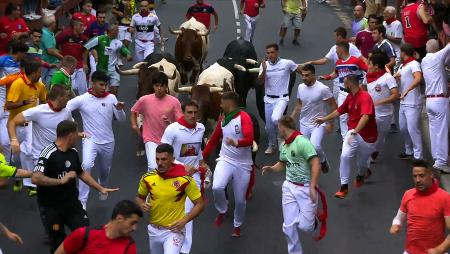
{"x": 269, "y": 150}
{"x": 443, "y": 169}
{"x": 84, "y": 205}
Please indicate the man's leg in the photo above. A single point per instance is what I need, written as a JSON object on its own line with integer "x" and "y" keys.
{"x": 248, "y": 28}
{"x": 150, "y": 151}
{"x": 105, "y": 156}
{"x": 349, "y": 148}
{"x": 75, "y": 216}
{"x": 316, "y": 139}
{"x": 253, "y": 27}
{"x": 297, "y": 22}
{"x": 269, "y": 126}
{"x": 138, "y": 52}
{"x": 172, "y": 242}
{"x": 278, "y": 110}
{"x": 437, "y": 110}
{"x": 403, "y": 125}
{"x": 240, "y": 180}
{"x": 90, "y": 152}
{"x": 414, "y": 129}
{"x": 187, "y": 244}
{"x": 149, "y": 48}
{"x": 383, "y": 125}
{"x": 363, "y": 154}
{"x": 26, "y": 159}
{"x": 54, "y": 224}
{"x": 4, "y": 139}
{"x": 284, "y": 26}
{"x": 342, "y": 118}
{"x": 155, "y": 239}
{"x": 222, "y": 175}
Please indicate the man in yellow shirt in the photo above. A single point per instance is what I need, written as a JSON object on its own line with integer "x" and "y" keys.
{"x": 163, "y": 193}
{"x": 25, "y": 92}
{"x": 294, "y": 12}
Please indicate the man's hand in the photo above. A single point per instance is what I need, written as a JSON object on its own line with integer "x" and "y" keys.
{"x": 15, "y": 146}
{"x": 120, "y": 105}
{"x": 403, "y": 95}
{"x": 303, "y": 14}
{"x": 129, "y": 58}
{"x": 13, "y": 237}
{"x": 434, "y": 251}
{"x": 395, "y": 229}
{"x": 165, "y": 119}
{"x": 86, "y": 68}
{"x": 146, "y": 207}
{"x": 68, "y": 176}
{"x": 130, "y": 29}
{"x": 231, "y": 142}
{"x": 119, "y": 13}
{"x": 104, "y": 190}
{"x": 264, "y": 64}
{"x": 216, "y": 27}
{"x": 265, "y": 169}
{"x": 83, "y": 135}
{"x": 178, "y": 226}
{"x": 319, "y": 120}
{"x": 312, "y": 193}
{"x": 190, "y": 169}
{"x": 137, "y": 130}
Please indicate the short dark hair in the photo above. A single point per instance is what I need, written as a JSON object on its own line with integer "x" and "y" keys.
{"x": 75, "y": 21}
{"x": 10, "y": 8}
{"x": 378, "y": 59}
{"x": 287, "y": 122}
{"x": 160, "y": 78}
{"x": 19, "y": 47}
{"x": 58, "y": 90}
{"x": 272, "y": 45}
{"x": 353, "y": 79}
{"x": 164, "y": 148}
{"x": 126, "y": 208}
{"x": 373, "y": 16}
{"x": 87, "y": 2}
{"x": 35, "y": 30}
{"x": 189, "y": 103}
{"x": 31, "y": 67}
{"x": 408, "y": 49}
{"x": 99, "y": 76}
{"x": 381, "y": 29}
{"x": 419, "y": 163}
{"x": 65, "y": 128}
{"x": 341, "y": 31}
{"x": 343, "y": 44}
{"x": 101, "y": 10}
{"x": 233, "y": 96}
{"x": 309, "y": 67}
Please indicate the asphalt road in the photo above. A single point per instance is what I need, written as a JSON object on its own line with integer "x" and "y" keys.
{"x": 358, "y": 224}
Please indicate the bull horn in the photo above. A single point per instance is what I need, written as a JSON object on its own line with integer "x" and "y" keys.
{"x": 253, "y": 70}
{"x": 214, "y": 89}
{"x": 251, "y": 61}
{"x": 174, "y": 32}
{"x": 185, "y": 89}
{"x": 203, "y": 33}
{"x": 138, "y": 65}
{"x": 239, "y": 67}
{"x": 254, "y": 147}
{"x": 127, "y": 72}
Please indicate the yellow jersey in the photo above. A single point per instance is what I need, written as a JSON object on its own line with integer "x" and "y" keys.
{"x": 22, "y": 89}
{"x": 167, "y": 196}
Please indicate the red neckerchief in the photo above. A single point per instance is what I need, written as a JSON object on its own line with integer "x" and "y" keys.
{"x": 177, "y": 170}
{"x": 50, "y": 104}
{"x": 292, "y": 137}
{"x": 434, "y": 187}
{"x": 372, "y": 76}
{"x": 390, "y": 20}
{"x": 96, "y": 95}
{"x": 410, "y": 59}
{"x": 144, "y": 13}
{"x": 183, "y": 122}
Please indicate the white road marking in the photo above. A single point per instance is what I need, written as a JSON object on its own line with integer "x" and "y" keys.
{"x": 238, "y": 23}
{"x": 236, "y": 17}
{"x": 236, "y": 13}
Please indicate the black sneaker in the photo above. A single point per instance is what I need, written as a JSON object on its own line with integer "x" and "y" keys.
{"x": 373, "y": 157}
{"x": 394, "y": 128}
{"x": 281, "y": 42}
{"x": 325, "y": 167}
{"x": 296, "y": 43}
{"x": 404, "y": 156}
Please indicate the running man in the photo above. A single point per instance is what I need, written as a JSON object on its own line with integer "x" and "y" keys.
{"x": 108, "y": 51}
{"x": 202, "y": 12}
{"x": 124, "y": 10}
{"x": 313, "y": 97}
{"x": 98, "y": 108}
{"x": 186, "y": 137}
{"x": 62, "y": 77}
{"x": 235, "y": 159}
{"x": 250, "y": 10}
{"x": 299, "y": 195}
{"x": 163, "y": 194}
{"x": 361, "y": 137}
{"x": 294, "y": 12}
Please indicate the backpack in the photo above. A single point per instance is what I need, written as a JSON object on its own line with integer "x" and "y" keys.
{"x": 86, "y": 237}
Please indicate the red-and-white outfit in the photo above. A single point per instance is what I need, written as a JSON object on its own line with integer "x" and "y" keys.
{"x": 251, "y": 15}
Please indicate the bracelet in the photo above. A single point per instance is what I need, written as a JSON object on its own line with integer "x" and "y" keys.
{"x": 14, "y": 139}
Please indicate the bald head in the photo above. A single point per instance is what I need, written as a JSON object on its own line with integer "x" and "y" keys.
{"x": 389, "y": 12}
{"x": 432, "y": 46}
{"x": 358, "y": 12}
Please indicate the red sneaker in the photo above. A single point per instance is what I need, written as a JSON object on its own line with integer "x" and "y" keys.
{"x": 219, "y": 219}
{"x": 359, "y": 181}
{"x": 236, "y": 232}
{"x": 343, "y": 192}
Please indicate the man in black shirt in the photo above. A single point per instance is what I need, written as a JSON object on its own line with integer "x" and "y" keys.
{"x": 55, "y": 176}
{"x": 384, "y": 46}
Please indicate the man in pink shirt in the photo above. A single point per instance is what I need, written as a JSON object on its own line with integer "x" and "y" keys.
{"x": 364, "y": 40}
{"x": 250, "y": 9}
{"x": 159, "y": 110}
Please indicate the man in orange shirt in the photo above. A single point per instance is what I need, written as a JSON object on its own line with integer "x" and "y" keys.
{"x": 426, "y": 210}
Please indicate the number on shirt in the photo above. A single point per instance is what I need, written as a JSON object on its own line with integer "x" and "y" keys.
{"x": 407, "y": 22}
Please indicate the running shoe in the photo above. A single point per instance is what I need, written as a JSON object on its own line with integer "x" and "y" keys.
{"x": 281, "y": 42}
{"x": 405, "y": 156}
{"x": 343, "y": 192}
{"x": 394, "y": 128}
{"x": 31, "y": 191}
{"x": 219, "y": 219}
{"x": 295, "y": 43}
{"x": 236, "y": 232}
{"x": 17, "y": 186}
{"x": 359, "y": 181}
{"x": 269, "y": 150}
{"x": 368, "y": 174}
{"x": 374, "y": 157}
{"x": 325, "y": 166}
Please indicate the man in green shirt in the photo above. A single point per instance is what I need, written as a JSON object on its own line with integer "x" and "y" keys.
{"x": 63, "y": 75}
{"x": 50, "y": 53}
{"x": 10, "y": 171}
{"x": 107, "y": 50}
{"x": 294, "y": 12}
{"x": 299, "y": 191}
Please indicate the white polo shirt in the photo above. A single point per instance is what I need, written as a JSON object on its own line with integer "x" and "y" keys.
{"x": 97, "y": 115}
{"x": 313, "y": 101}
{"x": 414, "y": 97}
{"x": 332, "y": 55}
{"x": 186, "y": 142}
{"x": 381, "y": 89}
{"x": 433, "y": 68}
{"x": 277, "y": 78}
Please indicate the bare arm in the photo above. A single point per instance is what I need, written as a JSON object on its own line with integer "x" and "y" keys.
{"x": 54, "y": 52}
{"x": 424, "y": 15}
{"x": 414, "y": 84}
{"x": 278, "y": 167}
{"x": 320, "y": 61}
{"x": 60, "y": 249}
{"x": 12, "y": 125}
{"x": 315, "y": 170}
{"x": 362, "y": 123}
{"x": 216, "y": 20}
{"x": 10, "y": 235}
{"x": 89, "y": 180}
{"x": 391, "y": 63}
{"x": 297, "y": 109}
{"x": 445, "y": 245}
{"x": 179, "y": 225}
{"x": 134, "y": 125}
{"x": 39, "y": 178}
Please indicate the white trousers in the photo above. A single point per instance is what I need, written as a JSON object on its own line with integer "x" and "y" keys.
{"x": 273, "y": 112}
{"x": 299, "y": 213}
{"x": 4, "y": 139}
{"x": 92, "y": 64}
{"x": 79, "y": 82}
{"x": 142, "y": 50}
{"x": 343, "y": 119}
{"x": 315, "y": 135}
{"x": 383, "y": 128}
{"x": 24, "y": 135}
{"x": 354, "y": 145}
{"x": 409, "y": 123}
{"x": 250, "y": 26}
{"x": 164, "y": 241}
{"x": 437, "y": 111}
{"x": 187, "y": 244}
{"x": 240, "y": 176}
{"x": 150, "y": 152}
{"x": 92, "y": 151}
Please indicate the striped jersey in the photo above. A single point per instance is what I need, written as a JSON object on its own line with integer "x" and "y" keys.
{"x": 351, "y": 65}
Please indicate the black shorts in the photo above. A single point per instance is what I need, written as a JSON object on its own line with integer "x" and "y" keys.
{"x": 70, "y": 214}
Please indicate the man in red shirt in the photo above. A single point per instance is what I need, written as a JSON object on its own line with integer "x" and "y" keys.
{"x": 250, "y": 10}
{"x": 361, "y": 136}
{"x": 415, "y": 21}
{"x": 12, "y": 27}
{"x": 112, "y": 238}
{"x": 426, "y": 210}
{"x": 364, "y": 40}
{"x": 202, "y": 13}
{"x": 71, "y": 41}
{"x": 85, "y": 15}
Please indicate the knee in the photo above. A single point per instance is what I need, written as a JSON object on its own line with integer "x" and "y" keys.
{"x": 87, "y": 165}
{"x": 275, "y": 119}
{"x": 307, "y": 227}
{"x": 217, "y": 188}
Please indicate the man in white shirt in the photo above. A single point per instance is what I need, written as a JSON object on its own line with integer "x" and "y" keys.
{"x": 44, "y": 118}
{"x": 411, "y": 102}
{"x": 97, "y": 108}
{"x": 433, "y": 68}
{"x": 186, "y": 137}
{"x": 394, "y": 32}
{"x": 275, "y": 73}
{"x": 313, "y": 96}
{"x": 383, "y": 89}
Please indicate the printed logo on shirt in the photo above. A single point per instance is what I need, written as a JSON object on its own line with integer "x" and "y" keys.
{"x": 378, "y": 88}
{"x": 103, "y": 104}
{"x": 190, "y": 149}
{"x": 67, "y": 164}
{"x": 19, "y": 26}
{"x": 145, "y": 28}
{"x": 237, "y": 129}
{"x": 176, "y": 184}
